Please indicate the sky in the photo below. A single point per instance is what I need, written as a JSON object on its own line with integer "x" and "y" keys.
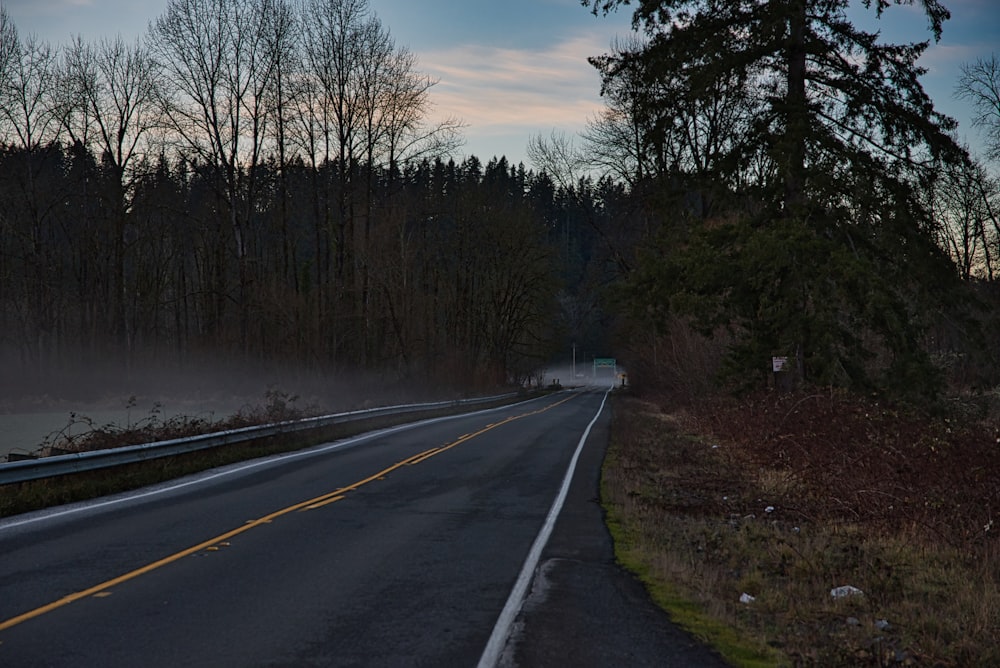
{"x": 513, "y": 69}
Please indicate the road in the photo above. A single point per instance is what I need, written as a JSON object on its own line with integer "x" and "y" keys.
{"x": 405, "y": 546}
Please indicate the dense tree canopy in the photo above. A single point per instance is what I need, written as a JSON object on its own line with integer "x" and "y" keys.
{"x": 809, "y": 234}
{"x": 259, "y": 180}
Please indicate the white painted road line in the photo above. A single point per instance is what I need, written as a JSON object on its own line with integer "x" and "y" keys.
{"x": 501, "y": 630}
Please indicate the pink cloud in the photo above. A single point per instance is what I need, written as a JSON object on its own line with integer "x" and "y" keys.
{"x": 499, "y": 90}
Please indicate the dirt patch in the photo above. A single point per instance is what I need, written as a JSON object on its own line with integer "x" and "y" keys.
{"x": 858, "y": 461}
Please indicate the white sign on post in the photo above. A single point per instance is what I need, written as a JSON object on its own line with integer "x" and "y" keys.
{"x": 778, "y": 363}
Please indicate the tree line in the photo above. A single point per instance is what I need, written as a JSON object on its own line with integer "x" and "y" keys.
{"x": 465, "y": 271}
{"x": 260, "y": 179}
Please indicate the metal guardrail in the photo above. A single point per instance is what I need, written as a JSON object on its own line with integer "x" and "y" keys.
{"x": 57, "y": 465}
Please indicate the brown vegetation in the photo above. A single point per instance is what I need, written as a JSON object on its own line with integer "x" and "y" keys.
{"x": 278, "y": 406}
{"x": 785, "y": 497}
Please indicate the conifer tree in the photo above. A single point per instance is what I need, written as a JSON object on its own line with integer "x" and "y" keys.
{"x": 827, "y": 254}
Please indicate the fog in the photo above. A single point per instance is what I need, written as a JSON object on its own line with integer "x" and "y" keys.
{"x": 35, "y": 405}
{"x": 563, "y": 374}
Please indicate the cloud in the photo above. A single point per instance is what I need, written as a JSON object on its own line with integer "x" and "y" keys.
{"x": 56, "y": 21}
{"x": 497, "y": 90}
{"x": 47, "y": 7}
{"x": 947, "y": 58}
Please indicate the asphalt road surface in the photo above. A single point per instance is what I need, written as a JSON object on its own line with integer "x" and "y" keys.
{"x": 451, "y": 542}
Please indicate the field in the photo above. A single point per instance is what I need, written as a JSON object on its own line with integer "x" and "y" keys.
{"x": 744, "y": 516}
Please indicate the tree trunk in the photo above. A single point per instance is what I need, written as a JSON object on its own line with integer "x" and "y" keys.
{"x": 796, "y": 109}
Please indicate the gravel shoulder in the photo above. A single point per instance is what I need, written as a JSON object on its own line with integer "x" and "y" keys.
{"x": 583, "y": 609}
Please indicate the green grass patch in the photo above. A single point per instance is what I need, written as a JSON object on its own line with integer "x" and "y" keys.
{"x": 633, "y": 553}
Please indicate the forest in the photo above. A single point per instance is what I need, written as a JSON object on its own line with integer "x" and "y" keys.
{"x": 262, "y": 181}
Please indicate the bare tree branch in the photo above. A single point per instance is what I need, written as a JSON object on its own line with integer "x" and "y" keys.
{"x": 980, "y": 85}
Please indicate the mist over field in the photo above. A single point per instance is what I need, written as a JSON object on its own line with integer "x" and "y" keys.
{"x": 582, "y": 373}
{"x": 206, "y": 382}
{"x": 36, "y": 404}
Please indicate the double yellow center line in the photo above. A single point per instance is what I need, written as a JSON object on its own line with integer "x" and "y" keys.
{"x": 311, "y": 504}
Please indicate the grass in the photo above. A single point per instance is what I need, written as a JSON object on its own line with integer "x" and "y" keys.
{"x": 786, "y": 497}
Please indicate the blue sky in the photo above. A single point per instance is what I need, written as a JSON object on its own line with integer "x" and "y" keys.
{"x": 515, "y": 68}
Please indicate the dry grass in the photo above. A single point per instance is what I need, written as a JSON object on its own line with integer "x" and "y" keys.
{"x": 83, "y": 434}
{"x": 786, "y": 497}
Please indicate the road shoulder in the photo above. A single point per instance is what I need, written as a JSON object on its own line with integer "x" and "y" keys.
{"x": 583, "y": 609}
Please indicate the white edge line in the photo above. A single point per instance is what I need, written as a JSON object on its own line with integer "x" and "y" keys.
{"x": 501, "y": 630}
{"x": 50, "y": 514}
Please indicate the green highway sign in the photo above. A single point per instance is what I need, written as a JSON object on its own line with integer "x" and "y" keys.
{"x": 605, "y": 363}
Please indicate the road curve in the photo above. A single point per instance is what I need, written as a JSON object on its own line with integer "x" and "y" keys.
{"x": 399, "y": 547}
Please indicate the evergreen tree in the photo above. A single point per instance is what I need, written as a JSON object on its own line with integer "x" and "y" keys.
{"x": 825, "y": 251}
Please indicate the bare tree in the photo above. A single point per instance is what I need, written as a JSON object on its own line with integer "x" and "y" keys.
{"x": 219, "y": 60}
{"x": 614, "y": 146}
{"x": 617, "y": 140}
{"x": 337, "y": 37}
{"x": 30, "y": 107}
{"x": 115, "y": 87}
{"x": 658, "y": 122}
{"x": 980, "y": 84}
{"x": 8, "y": 41}
{"x": 111, "y": 107}
{"x": 340, "y": 36}
{"x": 282, "y": 92}
{"x": 29, "y": 126}
{"x": 558, "y": 157}
{"x": 8, "y": 49}
{"x": 405, "y": 108}
{"x": 372, "y": 102}
{"x": 366, "y": 110}
{"x": 964, "y": 202}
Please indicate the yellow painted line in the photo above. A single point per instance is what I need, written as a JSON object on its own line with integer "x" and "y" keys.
{"x": 494, "y": 425}
{"x": 114, "y": 582}
{"x": 330, "y": 497}
{"x": 427, "y": 454}
{"x": 103, "y": 594}
{"x": 323, "y": 503}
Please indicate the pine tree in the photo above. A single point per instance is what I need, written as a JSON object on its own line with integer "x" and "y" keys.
{"x": 826, "y": 254}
